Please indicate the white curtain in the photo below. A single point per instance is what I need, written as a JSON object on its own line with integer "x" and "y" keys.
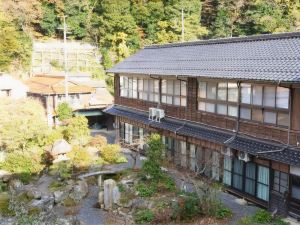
{"x": 263, "y": 183}
{"x": 227, "y": 170}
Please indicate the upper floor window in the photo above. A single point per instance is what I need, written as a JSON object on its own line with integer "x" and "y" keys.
{"x": 220, "y": 98}
{"x": 265, "y": 104}
{"x": 139, "y": 88}
{"x": 128, "y": 87}
{"x": 174, "y": 92}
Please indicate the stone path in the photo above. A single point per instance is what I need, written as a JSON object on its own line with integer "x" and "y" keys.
{"x": 87, "y": 212}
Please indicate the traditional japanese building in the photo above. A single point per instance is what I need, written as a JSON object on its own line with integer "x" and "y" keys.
{"x": 227, "y": 108}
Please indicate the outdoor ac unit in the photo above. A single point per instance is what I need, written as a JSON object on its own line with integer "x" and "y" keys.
{"x": 160, "y": 113}
{"x": 226, "y": 151}
{"x": 152, "y": 113}
{"x": 244, "y": 156}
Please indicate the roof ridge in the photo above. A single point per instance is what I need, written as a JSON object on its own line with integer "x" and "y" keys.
{"x": 260, "y": 37}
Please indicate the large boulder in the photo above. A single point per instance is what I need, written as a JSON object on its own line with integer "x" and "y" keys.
{"x": 33, "y": 193}
{"x": 60, "y": 195}
{"x": 79, "y": 191}
{"x": 109, "y": 186}
{"x": 60, "y": 147}
{"x": 45, "y": 204}
{"x": 5, "y": 176}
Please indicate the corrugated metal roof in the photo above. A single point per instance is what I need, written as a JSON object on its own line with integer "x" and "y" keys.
{"x": 273, "y": 57}
{"x": 205, "y": 132}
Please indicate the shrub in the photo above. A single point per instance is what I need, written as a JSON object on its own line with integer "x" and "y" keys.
{"x": 53, "y": 135}
{"x": 77, "y": 130}
{"x": 188, "y": 206}
{"x": 98, "y": 141}
{"x": 146, "y": 190}
{"x": 262, "y": 216}
{"x": 154, "y": 157}
{"x": 111, "y": 153}
{"x": 63, "y": 169}
{"x": 4, "y": 205}
{"x": 24, "y": 164}
{"x": 222, "y": 212}
{"x": 64, "y": 111}
{"x": 24, "y": 126}
{"x": 79, "y": 157}
{"x": 144, "y": 216}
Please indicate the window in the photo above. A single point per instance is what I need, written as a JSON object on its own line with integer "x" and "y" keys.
{"x": 174, "y": 92}
{"x": 222, "y": 91}
{"x": 227, "y": 170}
{"x": 263, "y": 183}
{"x": 237, "y": 174}
{"x": 269, "y": 96}
{"x": 250, "y": 178}
{"x": 128, "y": 87}
{"x": 215, "y": 165}
{"x": 169, "y": 146}
{"x": 280, "y": 182}
{"x": 183, "y": 153}
{"x": 257, "y": 115}
{"x": 148, "y": 89}
{"x": 128, "y": 133}
{"x": 246, "y": 93}
{"x": 282, "y": 97}
{"x": 283, "y": 119}
{"x": 257, "y": 92}
{"x": 214, "y": 97}
{"x": 269, "y": 117}
{"x": 246, "y": 113}
{"x": 193, "y": 158}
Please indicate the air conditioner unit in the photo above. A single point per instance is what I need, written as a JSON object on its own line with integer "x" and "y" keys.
{"x": 152, "y": 113}
{"x": 244, "y": 156}
{"x": 227, "y": 151}
{"x": 160, "y": 114}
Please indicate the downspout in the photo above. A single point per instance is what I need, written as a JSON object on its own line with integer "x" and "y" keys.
{"x": 238, "y": 115}
{"x": 289, "y": 127}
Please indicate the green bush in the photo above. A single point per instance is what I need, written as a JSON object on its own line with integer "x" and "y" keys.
{"x": 80, "y": 158}
{"x": 111, "y": 153}
{"x": 144, "y": 216}
{"x": 146, "y": 190}
{"x": 152, "y": 165}
{"x": 63, "y": 169}
{"x": 262, "y": 216}
{"x": 98, "y": 141}
{"x": 4, "y": 205}
{"x": 64, "y": 111}
{"x": 23, "y": 164}
{"x": 77, "y": 131}
{"x": 222, "y": 212}
{"x": 188, "y": 206}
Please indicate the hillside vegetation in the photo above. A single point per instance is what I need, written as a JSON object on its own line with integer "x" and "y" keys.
{"x": 120, "y": 27}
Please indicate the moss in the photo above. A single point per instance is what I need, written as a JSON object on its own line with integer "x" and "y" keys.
{"x": 56, "y": 185}
{"x": 4, "y": 205}
{"x": 34, "y": 211}
{"x": 23, "y": 197}
{"x": 69, "y": 202}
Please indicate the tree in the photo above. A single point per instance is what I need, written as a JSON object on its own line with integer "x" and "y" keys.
{"x": 15, "y": 46}
{"x": 50, "y": 21}
{"x": 77, "y": 130}
{"x": 64, "y": 111}
{"x": 25, "y": 127}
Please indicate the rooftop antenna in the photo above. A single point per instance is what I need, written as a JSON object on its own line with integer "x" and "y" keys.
{"x": 182, "y": 25}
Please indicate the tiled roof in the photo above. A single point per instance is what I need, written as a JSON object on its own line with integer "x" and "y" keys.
{"x": 54, "y": 85}
{"x": 273, "y": 57}
{"x": 252, "y": 146}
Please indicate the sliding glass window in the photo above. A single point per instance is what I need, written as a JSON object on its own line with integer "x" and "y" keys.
{"x": 174, "y": 92}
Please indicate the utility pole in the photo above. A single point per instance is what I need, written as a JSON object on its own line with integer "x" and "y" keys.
{"x": 182, "y": 25}
{"x": 65, "y": 61}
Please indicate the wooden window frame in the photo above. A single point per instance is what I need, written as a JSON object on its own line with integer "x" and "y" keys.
{"x": 173, "y": 96}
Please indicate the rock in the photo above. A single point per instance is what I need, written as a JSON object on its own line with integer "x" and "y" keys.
{"x": 60, "y": 147}
{"x": 109, "y": 185}
{"x": 5, "y": 175}
{"x": 45, "y": 204}
{"x": 116, "y": 195}
{"x": 101, "y": 198}
{"x": 60, "y": 195}
{"x": 79, "y": 191}
{"x": 15, "y": 184}
{"x": 139, "y": 203}
{"x": 127, "y": 183}
{"x": 34, "y": 193}
{"x": 127, "y": 204}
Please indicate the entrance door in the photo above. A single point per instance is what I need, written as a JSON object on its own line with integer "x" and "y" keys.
{"x": 294, "y": 204}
